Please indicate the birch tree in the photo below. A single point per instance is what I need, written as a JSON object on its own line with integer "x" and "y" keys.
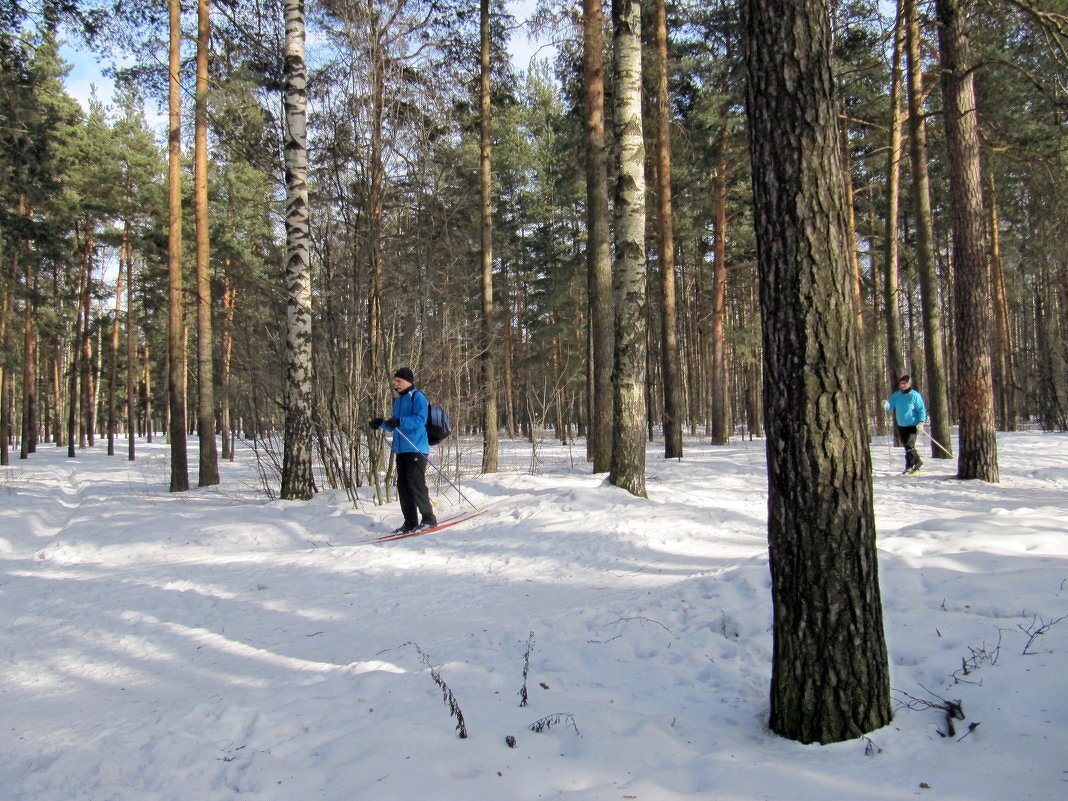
{"x": 296, "y": 455}
{"x": 629, "y": 276}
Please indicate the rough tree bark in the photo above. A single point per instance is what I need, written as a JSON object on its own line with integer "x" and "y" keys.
{"x": 830, "y": 674}
{"x": 208, "y": 474}
{"x": 598, "y": 243}
{"x": 175, "y": 350}
{"x": 490, "y": 444}
{"x": 936, "y": 391}
{"x": 978, "y": 456}
{"x": 669, "y": 336}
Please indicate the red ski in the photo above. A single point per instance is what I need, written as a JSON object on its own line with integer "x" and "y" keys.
{"x": 452, "y": 521}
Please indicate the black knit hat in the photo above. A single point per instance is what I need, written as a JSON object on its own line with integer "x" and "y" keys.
{"x": 405, "y": 373}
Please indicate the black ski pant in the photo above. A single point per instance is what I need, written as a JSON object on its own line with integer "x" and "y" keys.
{"x": 411, "y": 488}
{"x": 908, "y": 439}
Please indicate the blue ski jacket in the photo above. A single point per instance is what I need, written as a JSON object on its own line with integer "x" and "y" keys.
{"x": 411, "y": 408}
{"x": 908, "y": 407}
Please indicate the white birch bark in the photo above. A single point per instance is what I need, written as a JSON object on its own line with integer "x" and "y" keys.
{"x": 296, "y": 457}
{"x": 629, "y": 278}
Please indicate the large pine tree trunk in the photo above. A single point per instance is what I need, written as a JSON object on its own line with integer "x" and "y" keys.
{"x": 629, "y": 276}
{"x": 669, "y": 337}
{"x": 175, "y": 349}
{"x": 209, "y": 454}
{"x": 490, "y": 436}
{"x": 936, "y": 391}
{"x": 296, "y": 456}
{"x": 598, "y": 243}
{"x": 830, "y": 675}
{"x": 895, "y": 363}
{"x": 978, "y": 457}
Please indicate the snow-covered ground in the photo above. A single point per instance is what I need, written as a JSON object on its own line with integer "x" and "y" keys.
{"x": 214, "y": 644}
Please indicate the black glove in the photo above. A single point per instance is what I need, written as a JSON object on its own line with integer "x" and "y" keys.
{"x": 394, "y": 422}
{"x": 375, "y": 422}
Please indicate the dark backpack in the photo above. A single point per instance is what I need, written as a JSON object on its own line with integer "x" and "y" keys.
{"x": 438, "y": 426}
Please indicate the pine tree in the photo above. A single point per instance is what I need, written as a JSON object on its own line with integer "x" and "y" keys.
{"x": 598, "y": 243}
{"x": 978, "y": 457}
{"x": 175, "y": 320}
{"x": 830, "y": 674}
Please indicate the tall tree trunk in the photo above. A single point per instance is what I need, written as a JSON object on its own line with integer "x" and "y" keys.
{"x": 131, "y": 358}
{"x": 854, "y": 257}
{"x": 598, "y": 242}
{"x": 87, "y": 429}
{"x": 720, "y": 431}
{"x": 7, "y": 384}
{"x": 175, "y": 326}
{"x": 113, "y": 368}
{"x": 936, "y": 391}
{"x": 507, "y": 361}
{"x": 209, "y": 454}
{"x": 75, "y": 369}
{"x": 29, "y": 373}
{"x": 895, "y": 362}
{"x": 87, "y": 422}
{"x": 376, "y": 335}
{"x": 1050, "y": 401}
{"x": 629, "y": 269}
{"x": 296, "y": 457}
{"x": 56, "y": 358}
{"x": 490, "y": 445}
{"x": 29, "y": 361}
{"x": 978, "y": 457}
{"x": 229, "y": 302}
{"x": 1005, "y": 375}
{"x": 149, "y": 425}
{"x": 669, "y": 336}
{"x": 830, "y": 674}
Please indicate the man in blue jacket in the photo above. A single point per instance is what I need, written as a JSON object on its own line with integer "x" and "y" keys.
{"x": 408, "y": 426}
{"x": 910, "y": 412}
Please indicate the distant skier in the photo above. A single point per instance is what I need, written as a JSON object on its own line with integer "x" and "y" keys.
{"x": 408, "y": 424}
{"x": 910, "y": 412}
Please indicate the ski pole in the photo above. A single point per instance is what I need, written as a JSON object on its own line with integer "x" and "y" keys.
{"x": 943, "y": 448}
{"x": 440, "y": 471}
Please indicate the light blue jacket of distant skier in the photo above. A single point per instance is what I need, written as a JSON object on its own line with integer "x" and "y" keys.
{"x": 908, "y": 407}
